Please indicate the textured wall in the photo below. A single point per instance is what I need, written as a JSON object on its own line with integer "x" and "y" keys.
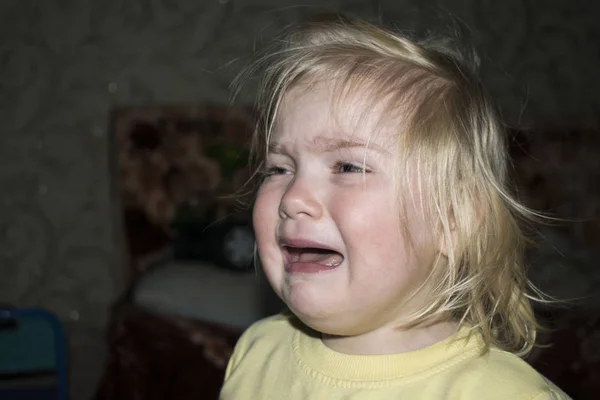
{"x": 65, "y": 63}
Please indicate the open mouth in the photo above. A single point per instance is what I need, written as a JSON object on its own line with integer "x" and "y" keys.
{"x": 311, "y": 259}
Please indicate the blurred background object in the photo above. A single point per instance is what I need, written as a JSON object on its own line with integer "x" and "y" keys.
{"x": 33, "y": 355}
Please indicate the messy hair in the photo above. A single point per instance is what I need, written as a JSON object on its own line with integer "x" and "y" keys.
{"x": 451, "y": 133}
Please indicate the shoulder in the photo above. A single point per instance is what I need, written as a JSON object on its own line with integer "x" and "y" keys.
{"x": 279, "y": 325}
{"x": 498, "y": 374}
{"x": 261, "y": 338}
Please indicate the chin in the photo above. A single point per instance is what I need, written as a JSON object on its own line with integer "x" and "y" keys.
{"x": 309, "y": 309}
{"x": 327, "y": 320}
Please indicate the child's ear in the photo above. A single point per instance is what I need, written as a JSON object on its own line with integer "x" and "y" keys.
{"x": 450, "y": 237}
{"x": 447, "y": 236}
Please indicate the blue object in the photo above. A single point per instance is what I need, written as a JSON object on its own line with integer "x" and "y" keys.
{"x": 32, "y": 347}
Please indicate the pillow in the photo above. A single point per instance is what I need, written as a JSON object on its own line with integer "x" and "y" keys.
{"x": 206, "y": 292}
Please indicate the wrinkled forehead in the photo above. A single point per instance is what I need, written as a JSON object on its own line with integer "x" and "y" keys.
{"x": 326, "y": 113}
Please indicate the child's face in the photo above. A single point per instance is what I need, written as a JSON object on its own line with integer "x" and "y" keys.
{"x": 329, "y": 236}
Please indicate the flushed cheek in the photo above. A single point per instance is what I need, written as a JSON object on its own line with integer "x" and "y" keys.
{"x": 260, "y": 219}
{"x": 265, "y": 217}
{"x": 366, "y": 215}
{"x": 371, "y": 230}
{"x": 265, "y": 213}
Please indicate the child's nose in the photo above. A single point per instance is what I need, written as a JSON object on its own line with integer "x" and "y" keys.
{"x": 300, "y": 200}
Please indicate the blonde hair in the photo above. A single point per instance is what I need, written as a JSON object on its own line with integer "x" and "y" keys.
{"x": 453, "y": 134}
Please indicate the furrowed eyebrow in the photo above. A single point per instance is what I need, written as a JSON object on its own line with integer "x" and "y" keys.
{"x": 277, "y": 148}
{"x": 327, "y": 145}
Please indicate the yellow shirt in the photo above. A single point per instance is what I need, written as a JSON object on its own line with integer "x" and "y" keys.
{"x": 279, "y": 358}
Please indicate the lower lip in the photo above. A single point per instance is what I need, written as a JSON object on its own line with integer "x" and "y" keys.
{"x": 306, "y": 268}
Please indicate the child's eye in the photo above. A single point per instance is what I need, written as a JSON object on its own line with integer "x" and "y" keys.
{"x": 275, "y": 170}
{"x": 347, "y": 167}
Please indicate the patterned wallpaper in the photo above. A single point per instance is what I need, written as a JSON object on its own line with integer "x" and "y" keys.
{"x": 64, "y": 64}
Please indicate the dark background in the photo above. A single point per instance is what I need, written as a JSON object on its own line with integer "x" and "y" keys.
{"x": 65, "y": 64}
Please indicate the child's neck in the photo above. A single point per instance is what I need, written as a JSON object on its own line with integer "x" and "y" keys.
{"x": 390, "y": 340}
